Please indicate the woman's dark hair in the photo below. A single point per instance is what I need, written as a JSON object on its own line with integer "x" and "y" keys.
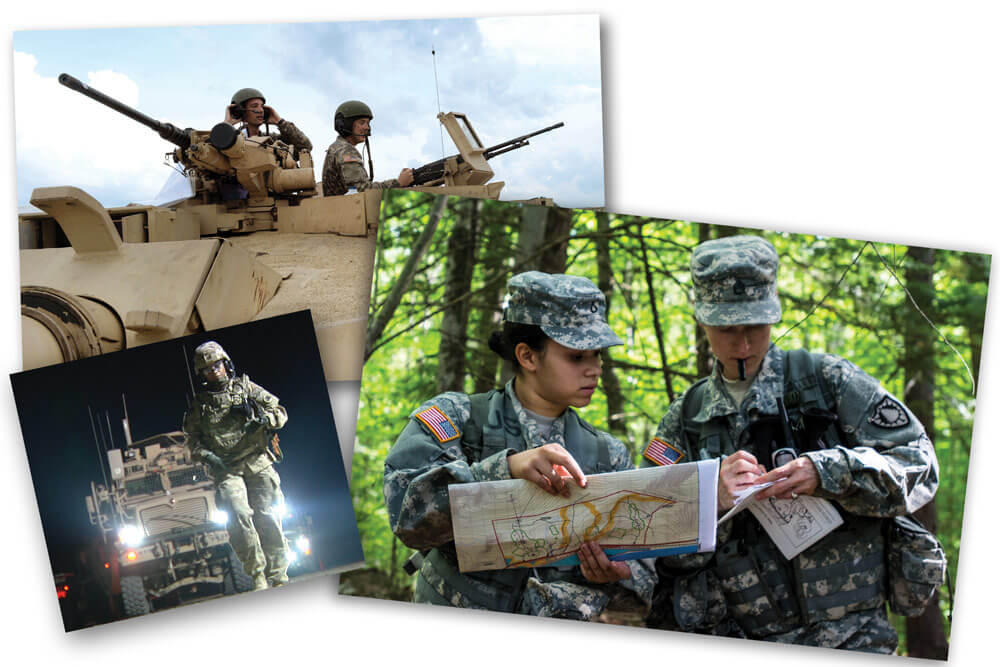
{"x": 505, "y": 340}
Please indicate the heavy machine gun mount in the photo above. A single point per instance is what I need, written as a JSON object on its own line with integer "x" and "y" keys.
{"x": 470, "y": 166}
{"x": 224, "y": 160}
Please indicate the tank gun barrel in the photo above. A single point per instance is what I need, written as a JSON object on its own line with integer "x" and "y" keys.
{"x": 170, "y": 132}
{"x": 517, "y": 142}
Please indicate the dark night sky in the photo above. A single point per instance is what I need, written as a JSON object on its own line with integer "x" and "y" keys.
{"x": 280, "y": 354}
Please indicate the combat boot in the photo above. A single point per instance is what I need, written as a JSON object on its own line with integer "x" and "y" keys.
{"x": 279, "y": 580}
{"x": 259, "y": 581}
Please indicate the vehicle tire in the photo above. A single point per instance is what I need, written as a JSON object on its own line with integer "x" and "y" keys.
{"x": 236, "y": 580}
{"x": 134, "y": 596}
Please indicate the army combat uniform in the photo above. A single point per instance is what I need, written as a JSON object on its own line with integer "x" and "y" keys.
{"x": 456, "y": 438}
{"x": 879, "y": 463}
{"x": 220, "y": 423}
{"x": 289, "y": 134}
{"x": 420, "y": 467}
{"x": 343, "y": 169}
{"x": 885, "y": 467}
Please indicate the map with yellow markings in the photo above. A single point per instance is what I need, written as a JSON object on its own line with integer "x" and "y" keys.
{"x": 631, "y": 514}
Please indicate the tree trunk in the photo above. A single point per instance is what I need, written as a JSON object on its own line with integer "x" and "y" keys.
{"x": 496, "y": 225}
{"x": 559, "y": 222}
{"x": 395, "y": 297}
{"x": 925, "y": 633}
{"x": 609, "y": 379}
{"x": 531, "y": 236}
{"x": 703, "y": 353}
{"x": 650, "y": 287}
{"x": 459, "y": 265}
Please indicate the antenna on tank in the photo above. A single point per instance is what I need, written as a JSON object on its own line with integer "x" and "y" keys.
{"x": 437, "y": 90}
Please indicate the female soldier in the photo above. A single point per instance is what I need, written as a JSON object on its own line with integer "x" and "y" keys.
{"x": 553, "y": 332}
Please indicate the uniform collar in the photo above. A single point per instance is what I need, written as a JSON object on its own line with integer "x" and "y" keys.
{"x": 528, "y": 428}
{"x": 768, "y": 384}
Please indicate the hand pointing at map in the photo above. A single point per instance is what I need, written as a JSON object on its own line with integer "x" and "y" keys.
{"x": 543, "y": 465}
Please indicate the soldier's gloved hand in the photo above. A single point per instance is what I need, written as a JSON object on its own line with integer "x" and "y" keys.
{"x": 214, "y": 463}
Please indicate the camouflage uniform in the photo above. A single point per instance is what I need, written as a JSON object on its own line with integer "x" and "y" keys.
{"x": 289, "y": 134}
{"x": 421, "y": 465}
{"x": 883, "y": 465}
{"x": 219, "y": 424}
{"x": 344, "y": 168}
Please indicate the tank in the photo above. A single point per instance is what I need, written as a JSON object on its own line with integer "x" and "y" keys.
{"x": 252, "y": 237}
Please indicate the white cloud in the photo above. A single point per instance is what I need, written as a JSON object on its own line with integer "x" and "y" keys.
{"x": 64, "y": 138}
{"x": 550, "y": 40}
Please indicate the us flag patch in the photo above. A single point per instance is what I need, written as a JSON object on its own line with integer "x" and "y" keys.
{"x": 439, "y": 424}
{"x": 662, "y": 453}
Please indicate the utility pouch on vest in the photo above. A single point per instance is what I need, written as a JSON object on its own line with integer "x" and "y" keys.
{"x": 916, "y": 564}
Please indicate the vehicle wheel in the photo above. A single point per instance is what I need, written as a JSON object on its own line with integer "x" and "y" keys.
{"x": 134, "y": 596}
{"x": 236, "y": 580}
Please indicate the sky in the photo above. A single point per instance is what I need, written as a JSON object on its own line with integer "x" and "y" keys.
{"x": 509, "y": 75}
{"x": 64, "y": 458}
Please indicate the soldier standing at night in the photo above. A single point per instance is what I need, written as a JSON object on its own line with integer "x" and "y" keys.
{"x": 867, "y": 452}
{"x": 343, "y": 167}
{"x": 229, "y": 428}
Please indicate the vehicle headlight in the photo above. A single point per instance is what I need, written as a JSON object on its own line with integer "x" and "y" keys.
{"x": 302, "y": 544}
{"x": 282, "y": 509}
{"x": 220, "y": 517}
{"x": 130, "y": 535}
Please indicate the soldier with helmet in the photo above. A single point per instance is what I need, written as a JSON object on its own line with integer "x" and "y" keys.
{"x": 553, "y": 332}
{"x": 344, "y": 168}
{"x": 852, "y": 442}
{"x": 248, "y": 108}
{"x": 230, "y": 428}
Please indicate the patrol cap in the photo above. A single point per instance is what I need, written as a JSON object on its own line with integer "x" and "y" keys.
{"x": 735, "y": 282}
{"x": 569, "y": 309}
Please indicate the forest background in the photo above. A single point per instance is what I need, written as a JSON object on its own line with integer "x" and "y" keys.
{"x": 911, "y": 317}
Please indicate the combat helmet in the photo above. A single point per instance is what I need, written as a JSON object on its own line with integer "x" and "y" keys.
{"x": 346, "y": 113}
{"x": 206, "y": 355}
{"x": 243, "y": 95}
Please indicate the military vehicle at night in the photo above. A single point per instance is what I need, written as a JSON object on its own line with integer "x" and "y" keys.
{"x": 157, "y": 512}
{"x": 170, "y": 542}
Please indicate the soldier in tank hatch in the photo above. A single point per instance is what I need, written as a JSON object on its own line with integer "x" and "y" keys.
{"x": 343, "y": 168}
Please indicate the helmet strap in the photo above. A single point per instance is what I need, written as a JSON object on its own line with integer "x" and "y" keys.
{"x": 371, "y": 168}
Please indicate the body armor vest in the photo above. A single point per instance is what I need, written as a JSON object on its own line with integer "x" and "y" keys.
{"x": 223, "y": 429}
{"x": 842, "y": 573}
{"x": 493, "y": 427}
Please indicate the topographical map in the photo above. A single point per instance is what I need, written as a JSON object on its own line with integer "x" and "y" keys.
{"x": 631, "y": 514}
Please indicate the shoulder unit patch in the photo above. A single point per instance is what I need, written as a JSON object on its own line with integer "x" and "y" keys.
{"x": 888, "y": 413}
{"x": 439, "y": 424}
{"x": 662, "y": 453}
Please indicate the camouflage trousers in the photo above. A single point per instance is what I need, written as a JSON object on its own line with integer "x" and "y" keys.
{"x": 869, "y": 631}
{"x": 556, "y": 599}
{"x": 254, "y": 527}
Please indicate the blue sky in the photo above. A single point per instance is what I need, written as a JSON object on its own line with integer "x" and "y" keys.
{"x": 510, "y": 75}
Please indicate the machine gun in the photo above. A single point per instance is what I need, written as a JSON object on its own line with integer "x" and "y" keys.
{"x": 262, "y": 166}
{"x": 470, "y": 166}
